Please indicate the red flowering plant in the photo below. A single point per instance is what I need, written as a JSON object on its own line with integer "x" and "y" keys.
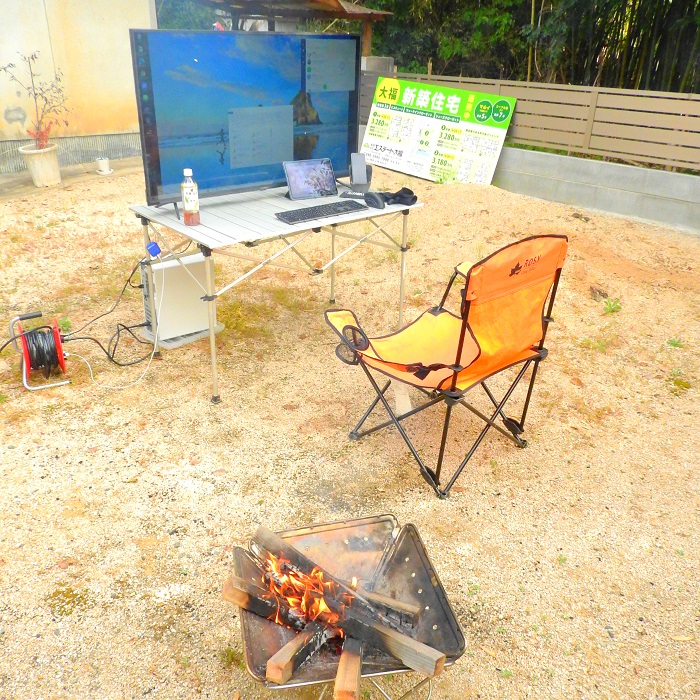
{"x": 48, "y": 97}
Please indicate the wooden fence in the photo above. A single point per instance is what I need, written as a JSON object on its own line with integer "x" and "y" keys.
{"x": 634, "y": 126}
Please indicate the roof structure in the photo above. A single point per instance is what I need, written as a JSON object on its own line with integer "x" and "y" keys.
{"x": 303, "y": 9}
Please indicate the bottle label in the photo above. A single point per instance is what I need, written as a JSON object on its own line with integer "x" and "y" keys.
{"x": 190, "y": 198}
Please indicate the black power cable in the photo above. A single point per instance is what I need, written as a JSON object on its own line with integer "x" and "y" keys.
{"x": 41, "y": 345}
{"x": 67, "y": 336}
{"x": 111, "y": 348}
{"x": 119, "y": 298}
{"x": 41, "y": 348}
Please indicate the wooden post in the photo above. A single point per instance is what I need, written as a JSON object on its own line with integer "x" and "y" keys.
{"x": 367, "y": 37}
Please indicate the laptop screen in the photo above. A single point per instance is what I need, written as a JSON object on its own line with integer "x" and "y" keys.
{"x": 308, "y": 179}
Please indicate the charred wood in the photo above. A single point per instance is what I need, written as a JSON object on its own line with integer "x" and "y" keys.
{"x": 266, "y": 542}
{"x": 282, "y": 665}
{"x": 391, "y": 609}
{"x": 354, "y": 623}
{"x": 261, "y": 602}
{"x": 414, "y": 654}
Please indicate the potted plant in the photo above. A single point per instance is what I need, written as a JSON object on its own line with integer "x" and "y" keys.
{"x": 49, "y": 101}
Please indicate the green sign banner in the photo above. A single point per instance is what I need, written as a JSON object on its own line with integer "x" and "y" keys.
{"x": 436, "y": 131}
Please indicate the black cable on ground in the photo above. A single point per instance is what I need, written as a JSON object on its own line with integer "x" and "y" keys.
{"x": 111, "y": 348}
{"x": 67, "y": 336}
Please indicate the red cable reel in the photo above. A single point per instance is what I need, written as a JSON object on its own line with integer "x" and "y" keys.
{"x": 51, "y": 355}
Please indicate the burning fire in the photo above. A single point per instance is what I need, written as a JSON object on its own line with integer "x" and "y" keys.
{"x": 305, "y": 594}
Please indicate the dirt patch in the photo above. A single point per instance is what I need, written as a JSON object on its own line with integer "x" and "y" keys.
{"x": 572, "y": 565}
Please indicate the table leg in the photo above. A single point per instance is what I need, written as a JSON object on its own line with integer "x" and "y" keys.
{"x": 333, "y": 265}
{"x": 211, "y": 307}
{"x": 404, "y": 248}
{"x": 151, "y": 286}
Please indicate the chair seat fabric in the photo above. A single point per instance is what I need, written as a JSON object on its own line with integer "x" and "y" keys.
{"x": 430, "y": 340}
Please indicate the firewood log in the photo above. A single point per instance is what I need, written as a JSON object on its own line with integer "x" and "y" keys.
{"x": 282, "y": 665}
{"x": 354, "y": 623}
{"x": 347, "y": 680}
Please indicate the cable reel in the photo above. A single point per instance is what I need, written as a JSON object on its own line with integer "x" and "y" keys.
{"x": 41, "y": 349}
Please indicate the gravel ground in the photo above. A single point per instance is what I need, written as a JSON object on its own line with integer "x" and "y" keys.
{"x": 572, "y": 565}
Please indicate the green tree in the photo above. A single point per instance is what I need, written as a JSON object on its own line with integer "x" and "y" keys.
{"x": 473, "y": 38}
{"x": 184, "y": 14}
{"x": 637, "y": 44}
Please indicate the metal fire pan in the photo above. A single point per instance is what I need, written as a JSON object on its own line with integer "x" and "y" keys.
{"x": 386, "y": 559}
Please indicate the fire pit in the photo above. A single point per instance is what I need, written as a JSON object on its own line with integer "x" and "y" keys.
{"x": 378, "y": 588}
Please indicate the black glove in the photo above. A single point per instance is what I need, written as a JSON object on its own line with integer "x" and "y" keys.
{"x": 403, "y": 196}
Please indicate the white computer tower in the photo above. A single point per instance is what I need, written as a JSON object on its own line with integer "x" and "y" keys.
{"x": 179, "y": 286}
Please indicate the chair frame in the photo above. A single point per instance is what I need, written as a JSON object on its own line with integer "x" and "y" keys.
{"x": 356, "y": 340}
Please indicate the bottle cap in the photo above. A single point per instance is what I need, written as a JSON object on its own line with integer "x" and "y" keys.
{"x": 187, "y": 172}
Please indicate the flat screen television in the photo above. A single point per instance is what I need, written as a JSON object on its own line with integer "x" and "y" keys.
{"x": 234, "y": 105}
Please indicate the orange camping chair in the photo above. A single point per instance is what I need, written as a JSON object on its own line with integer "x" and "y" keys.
{"x": 502, "y": 324}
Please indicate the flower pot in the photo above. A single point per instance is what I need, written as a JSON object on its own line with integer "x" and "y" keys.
{"x": 103, "y": 166}
{"x": 42, "y": 164}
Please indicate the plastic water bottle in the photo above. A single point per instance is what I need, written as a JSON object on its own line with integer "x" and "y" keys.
{"x": 190, "y": 199}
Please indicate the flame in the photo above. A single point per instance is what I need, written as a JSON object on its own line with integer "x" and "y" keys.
{"x": 303, "y": 593}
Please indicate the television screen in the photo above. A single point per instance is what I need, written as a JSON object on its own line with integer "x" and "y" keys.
{"x": 234, "y": 105}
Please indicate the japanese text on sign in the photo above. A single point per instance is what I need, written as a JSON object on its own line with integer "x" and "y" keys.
{"x": 436, "y": 132}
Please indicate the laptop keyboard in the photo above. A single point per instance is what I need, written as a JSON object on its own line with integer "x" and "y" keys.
{"x": 298, "y": 216}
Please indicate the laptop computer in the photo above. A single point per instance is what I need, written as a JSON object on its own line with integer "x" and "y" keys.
{"x": 310, "y": 179}
{"x": 313, "y": 179}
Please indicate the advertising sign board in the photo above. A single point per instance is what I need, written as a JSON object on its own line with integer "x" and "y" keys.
{"x": 436, "y": 132}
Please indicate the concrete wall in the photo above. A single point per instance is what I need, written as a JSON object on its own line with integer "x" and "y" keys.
{"x": 640, "y": 193}
{"x": 89, "y": 42}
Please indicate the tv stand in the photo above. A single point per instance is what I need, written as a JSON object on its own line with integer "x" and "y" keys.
{"x": 165, "y": 204}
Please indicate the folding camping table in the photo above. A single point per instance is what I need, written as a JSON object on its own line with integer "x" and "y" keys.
{"x": 247, "y": 219}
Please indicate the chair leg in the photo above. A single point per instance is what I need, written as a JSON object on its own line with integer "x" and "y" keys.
{"x": 354, "y": 434}
{"x": 427, "y": 473}
{"x": 526, "y": 405}
{"x": 493, "y": 424}
{"x": 443, "y": 493}
{"x": 432, "y": 477}
{"x": 515, "y": 427}
{"x": 443, "y": 441}
{"x": 489, "y": 424}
